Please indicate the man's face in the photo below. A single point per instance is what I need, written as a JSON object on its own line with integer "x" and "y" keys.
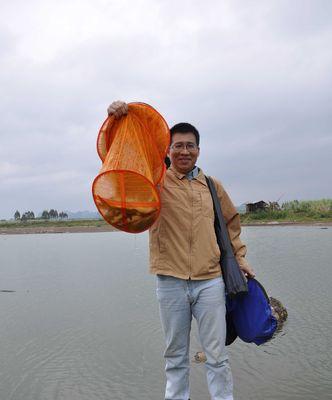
{"x": 183, "y": 158}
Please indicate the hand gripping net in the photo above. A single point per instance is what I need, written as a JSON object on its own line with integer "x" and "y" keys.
{"x": 132, "y": 149}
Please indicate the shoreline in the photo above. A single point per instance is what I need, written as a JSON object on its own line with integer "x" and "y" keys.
{"x": 289, "y": 223}
{"x": 36, "y": 230}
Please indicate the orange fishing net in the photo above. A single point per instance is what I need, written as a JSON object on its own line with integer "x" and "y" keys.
{"x": 132, "y": 150}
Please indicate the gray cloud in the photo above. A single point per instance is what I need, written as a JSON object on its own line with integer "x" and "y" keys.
{"x": 254, "y": 77}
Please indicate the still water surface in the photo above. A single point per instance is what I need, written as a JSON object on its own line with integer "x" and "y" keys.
{"x": 83, "y": 321}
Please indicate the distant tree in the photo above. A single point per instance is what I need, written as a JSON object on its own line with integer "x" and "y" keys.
{"x": 17, "y": 215}
{"x": 53, "y": 214}
{"x": 28, "y": 215}
{"x": 63, "y": 215}
{"x": 45, "y": 215}
{"x": 273, "y": 206}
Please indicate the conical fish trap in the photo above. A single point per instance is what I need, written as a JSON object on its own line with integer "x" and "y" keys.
{"x": 132, "y": 150}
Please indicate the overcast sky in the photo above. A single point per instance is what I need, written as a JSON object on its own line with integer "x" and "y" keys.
{"x": 255, "y": 77}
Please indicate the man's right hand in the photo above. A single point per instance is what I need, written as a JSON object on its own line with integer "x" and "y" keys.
{"x": 118, "y": 109}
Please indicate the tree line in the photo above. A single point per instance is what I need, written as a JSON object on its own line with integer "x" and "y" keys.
{"x": 46, "y": 214}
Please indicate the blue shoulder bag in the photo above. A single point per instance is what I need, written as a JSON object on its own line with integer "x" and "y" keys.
{"x": 248, "y": 311}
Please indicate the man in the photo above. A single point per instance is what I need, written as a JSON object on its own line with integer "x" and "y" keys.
{"x": 184, "y": 255}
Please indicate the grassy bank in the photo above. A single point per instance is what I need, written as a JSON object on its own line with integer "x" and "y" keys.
{"x": 281, "y": 217}
{"x": 315, "y": 211}
{"x": 293, "y": 211}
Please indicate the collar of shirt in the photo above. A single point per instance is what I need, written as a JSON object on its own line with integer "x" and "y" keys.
{"x": 190, "y": 175}
{"x": 196, "y": 173}
{"x": 193, "y": 173}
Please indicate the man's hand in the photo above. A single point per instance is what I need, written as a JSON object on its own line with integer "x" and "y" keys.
{"x": 248, "y": 271}
{"x": 118, "y": 109}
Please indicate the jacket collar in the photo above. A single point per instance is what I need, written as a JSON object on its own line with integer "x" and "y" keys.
{"x": 200, "y": 177}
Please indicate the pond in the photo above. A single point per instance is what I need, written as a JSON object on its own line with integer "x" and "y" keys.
{"x": 79, "y": 318}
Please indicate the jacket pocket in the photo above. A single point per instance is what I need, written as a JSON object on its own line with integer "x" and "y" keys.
{"x": 207, "y": 204}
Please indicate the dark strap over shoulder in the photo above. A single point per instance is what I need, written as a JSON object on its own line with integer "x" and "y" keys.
{"x": 219, "y": 221}
{"x": 235, "y": 281}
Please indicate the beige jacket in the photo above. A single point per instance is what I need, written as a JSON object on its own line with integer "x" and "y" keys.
{"x": 182, "y": 241}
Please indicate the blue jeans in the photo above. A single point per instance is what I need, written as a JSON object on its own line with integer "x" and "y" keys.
{"x": 179, "y": 300}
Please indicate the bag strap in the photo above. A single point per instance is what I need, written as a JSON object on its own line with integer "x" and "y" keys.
{"x": 219, "y": 221}
{"x": 234, "y": 279}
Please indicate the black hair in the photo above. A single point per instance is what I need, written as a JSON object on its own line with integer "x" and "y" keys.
{"x": 185, "y": 127}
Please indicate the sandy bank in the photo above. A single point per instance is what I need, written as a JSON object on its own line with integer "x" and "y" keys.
{"x": 108, "y": 228}
{"x": 54, "y": 229}
{"x": 276, "y": 223}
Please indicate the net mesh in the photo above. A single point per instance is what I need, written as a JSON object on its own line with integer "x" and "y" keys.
{"x": 132, "y": 150}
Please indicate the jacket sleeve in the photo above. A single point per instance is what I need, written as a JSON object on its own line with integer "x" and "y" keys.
{"x": 233, "y": 224}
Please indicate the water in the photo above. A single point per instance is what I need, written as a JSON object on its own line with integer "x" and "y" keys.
{"x": 83, "y": 321}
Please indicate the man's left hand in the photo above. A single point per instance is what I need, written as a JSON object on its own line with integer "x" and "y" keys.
{"x": 248, "y": 271}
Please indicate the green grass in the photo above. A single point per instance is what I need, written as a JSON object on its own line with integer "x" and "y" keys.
{"x": 294, "y": 211}
{"x": 291, "y": 211}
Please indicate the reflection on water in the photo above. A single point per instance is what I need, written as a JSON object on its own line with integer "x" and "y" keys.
{"x": 79, "y": 319}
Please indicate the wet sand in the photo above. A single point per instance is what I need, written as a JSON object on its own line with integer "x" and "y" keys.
{"x": 285, "y": 223}
{"x": 108, "y": 228}
{"x": 55, "y": 229}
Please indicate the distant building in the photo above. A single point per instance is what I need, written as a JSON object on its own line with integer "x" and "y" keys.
{"x": 258, "y": 206}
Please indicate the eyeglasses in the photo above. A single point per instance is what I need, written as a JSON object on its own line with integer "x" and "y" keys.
{"x": 178, "y": 146}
